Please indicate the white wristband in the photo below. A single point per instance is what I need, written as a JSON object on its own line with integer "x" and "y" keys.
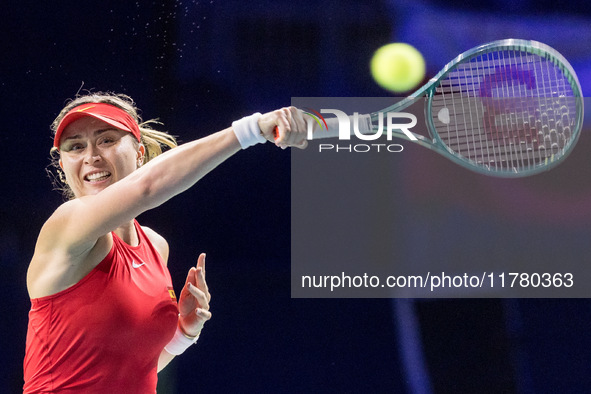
{"x": 247, "y": 131}
{"x": 180, "y": 342}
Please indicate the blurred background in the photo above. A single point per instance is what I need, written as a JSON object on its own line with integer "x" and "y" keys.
{"x": 199, "y": 65}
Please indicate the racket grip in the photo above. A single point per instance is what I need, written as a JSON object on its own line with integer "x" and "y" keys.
{"x": 331, "y": 128}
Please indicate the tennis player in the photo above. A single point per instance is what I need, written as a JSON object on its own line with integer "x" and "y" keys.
{"x": 104, "y": 317}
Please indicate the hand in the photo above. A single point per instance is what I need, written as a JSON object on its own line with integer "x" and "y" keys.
{"x": 194, "y": 300}
{"x": 291, "y": 126}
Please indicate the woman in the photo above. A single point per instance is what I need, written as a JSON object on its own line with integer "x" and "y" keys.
{"x": 103, "y": 313}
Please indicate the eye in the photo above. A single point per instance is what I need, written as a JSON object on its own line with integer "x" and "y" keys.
{"x": 107, "y": 139}
{"x": 74, "y": 147}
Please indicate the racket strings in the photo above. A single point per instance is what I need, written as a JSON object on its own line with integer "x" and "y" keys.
{"x": 507, "y": 110}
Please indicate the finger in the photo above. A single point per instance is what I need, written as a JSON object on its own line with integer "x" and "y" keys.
{"x": 291, "y": 133}
{"x": 200, "y": 296}
{"x": 287, "y": 112}
{"x": 191, "y": 276}
{"x": 283, "y": 118}
{"x": 190, "y": 281}
{"x": 204, "y": 314}
{"x": 298, "y": 128}
{"x": 302, "y": 145}
{"x": 201, "y": 262}
{"x": 300, "y": 121}
{"x": 202, "y": 284}
{"x": 302, "y": 129}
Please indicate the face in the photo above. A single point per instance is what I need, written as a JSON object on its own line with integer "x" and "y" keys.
{"x": 94, "y": 155}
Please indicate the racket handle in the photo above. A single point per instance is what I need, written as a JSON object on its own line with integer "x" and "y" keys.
{"x": 332, "y": 129}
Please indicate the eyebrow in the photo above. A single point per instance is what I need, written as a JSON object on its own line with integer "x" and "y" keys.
{"x": 96, "y": 133}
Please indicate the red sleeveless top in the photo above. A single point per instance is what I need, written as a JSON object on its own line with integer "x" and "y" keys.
{"x": 105, "y": 333}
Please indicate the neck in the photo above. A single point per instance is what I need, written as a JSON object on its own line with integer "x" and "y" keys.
{"x": 128, "y": 234}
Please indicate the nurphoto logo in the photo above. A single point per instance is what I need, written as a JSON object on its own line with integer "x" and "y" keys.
{"x": 362, "y": 128}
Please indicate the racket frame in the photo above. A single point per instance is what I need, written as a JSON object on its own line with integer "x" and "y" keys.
{"x": 434, "y": 141}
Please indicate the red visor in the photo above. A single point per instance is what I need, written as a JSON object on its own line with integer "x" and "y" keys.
{"x": 108, "y": 113}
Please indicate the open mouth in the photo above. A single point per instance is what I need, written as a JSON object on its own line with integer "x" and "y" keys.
{"x": 97, "y": 176}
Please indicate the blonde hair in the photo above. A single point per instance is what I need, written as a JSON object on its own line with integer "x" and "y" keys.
{"x": 154, "y": 141}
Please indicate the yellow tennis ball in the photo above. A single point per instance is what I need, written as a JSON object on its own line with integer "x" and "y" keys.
{"x": 398, "y": 67}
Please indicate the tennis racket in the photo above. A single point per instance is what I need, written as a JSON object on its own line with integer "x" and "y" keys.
{"x": 509, "y": 108}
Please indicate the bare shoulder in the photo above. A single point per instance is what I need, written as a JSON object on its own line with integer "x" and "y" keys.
{"x": 158, "y": 241}
{"x": 61, "y": 256}
{"x": 63, "y": 228}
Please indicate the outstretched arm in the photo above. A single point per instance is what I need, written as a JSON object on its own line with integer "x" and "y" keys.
{"x": 76, "y": 225}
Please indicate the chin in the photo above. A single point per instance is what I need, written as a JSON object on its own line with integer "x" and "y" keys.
{"x": 91, "y": 190}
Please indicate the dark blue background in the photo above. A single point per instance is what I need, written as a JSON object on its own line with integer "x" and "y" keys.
{"x": 199, "y": 65}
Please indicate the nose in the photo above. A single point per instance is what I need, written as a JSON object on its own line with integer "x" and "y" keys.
{"x": 92, "y": 155}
